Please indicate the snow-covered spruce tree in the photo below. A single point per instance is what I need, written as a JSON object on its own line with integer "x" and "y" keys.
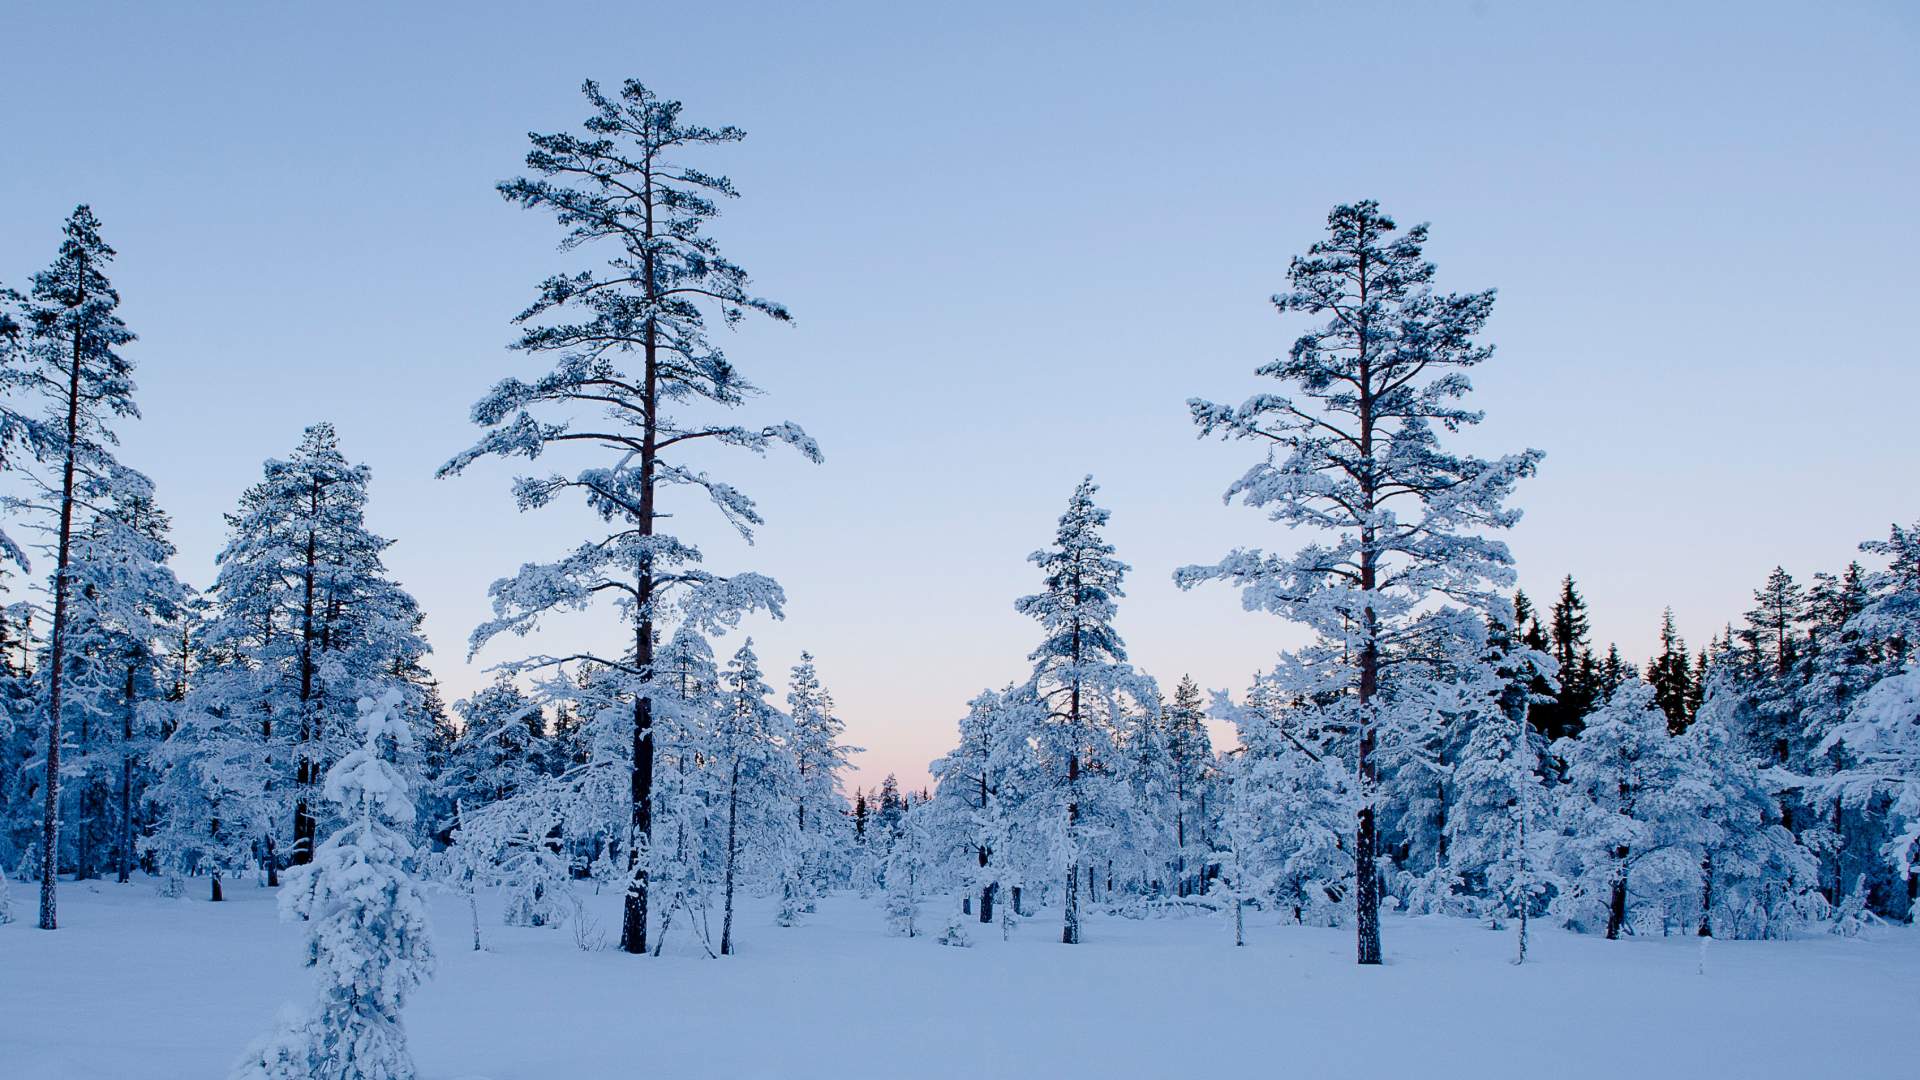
{"x": 1878, "y": 742}
{"x": 1839, "y": 662}
{"x": 753, "y": 756}
{"x": 684, "y": 867}
{"x": 629, "y": 349}
{"x": 1190, "y": 766}
{"x": 74, "y": 368}
{"x": 368, "y": 936}
{"x": 1755, "y": 879}
{"x": 497, "y": 753}
{"x": 305, "y": 620}
{"x": 908, "y": 868}
{"x": 1295, "y": 800}
{"x": 977, "y": 812}
{"x": 1626, "y": 813}
{"x": 1358, "y": 458}
{"x": 1499, "y": 846}
{"x": 123, "y": 602}
{"x": 212, "y": 800}
{"x": 1081, "y": 676}
{"x": 819, "y": 757}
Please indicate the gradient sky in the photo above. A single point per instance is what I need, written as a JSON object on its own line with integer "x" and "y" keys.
{"x": 1015, "y": 242}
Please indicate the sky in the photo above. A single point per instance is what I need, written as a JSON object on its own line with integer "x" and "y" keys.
{"x": 1016, "y": 239}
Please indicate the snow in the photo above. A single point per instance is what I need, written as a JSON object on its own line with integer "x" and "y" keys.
{"x": 135, "y": 986}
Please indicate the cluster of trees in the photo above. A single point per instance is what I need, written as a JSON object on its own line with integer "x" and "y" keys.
{"x": 148, "y": 725}
{"x": 1437, "y": 748}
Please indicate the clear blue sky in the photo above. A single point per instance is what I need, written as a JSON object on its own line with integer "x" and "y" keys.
{"x": 1016, "y": 242}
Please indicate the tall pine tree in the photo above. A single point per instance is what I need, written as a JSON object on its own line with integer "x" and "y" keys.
{"x": 631, "y": 365}
{"x": 1358, "y": 458}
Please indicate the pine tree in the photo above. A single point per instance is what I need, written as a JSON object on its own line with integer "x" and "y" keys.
{"x": 1081, "y": 675}
{"x": 75, "y": 367}
{"x": 1359, "y": 460}
{"x": 629, "y": 347}
{"x": 368, "y": 934}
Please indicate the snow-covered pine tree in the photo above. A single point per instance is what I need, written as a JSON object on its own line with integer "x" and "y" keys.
{"x": 1358, "y": 458}
{"x": 629, "y": 347}
{"x": 819, "y": 758}
{"x": 368, "y": 935}
{"x": 1081, "y": 676}
{"x": 21, "y": 435}
{"x": 74, "y": 367}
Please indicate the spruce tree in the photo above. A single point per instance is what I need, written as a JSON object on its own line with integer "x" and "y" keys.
{"x": 305, "y": 620}
{"x": 1081, "y": 676}
{"x": 1575, "y": 667}
{"x": 368, "y": 936}
{"x": 1358, "y": 458}
{"x": 631, "y": 371}
{"x": 1671, "y": 676}
{"x": 819, "y": 758}
{"x": 1190, "y": 761}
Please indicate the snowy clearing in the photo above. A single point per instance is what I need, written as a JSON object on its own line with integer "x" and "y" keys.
{"x": 135, "y": 986}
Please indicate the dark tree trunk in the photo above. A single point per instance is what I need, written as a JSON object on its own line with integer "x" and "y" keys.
{"x": 305, "y": 828}
{"x": 733, "y": 819}
{"x": 633, "y": 913}
{"x": 1617, "y": 904}
{"x": 124, "y": 845}
{"x": 56, "y": 655}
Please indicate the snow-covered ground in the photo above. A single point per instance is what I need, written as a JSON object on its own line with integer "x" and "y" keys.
{"x": 137, "y": 986}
